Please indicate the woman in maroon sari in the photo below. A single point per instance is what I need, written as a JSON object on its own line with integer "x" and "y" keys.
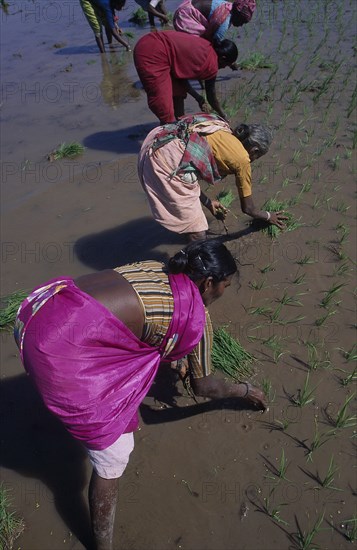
{"x": 93, "y": 345}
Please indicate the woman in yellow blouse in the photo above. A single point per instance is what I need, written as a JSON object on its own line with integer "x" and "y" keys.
{"x": 175, "y": 156}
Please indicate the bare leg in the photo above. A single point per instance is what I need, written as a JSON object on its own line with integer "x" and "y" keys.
{"x": 100, "y": 43}
{"x": 179, "y": 106}
{"x": 102, "y": 504}
{"x": 197, "y": 236}
{"x": 151, "y": 19}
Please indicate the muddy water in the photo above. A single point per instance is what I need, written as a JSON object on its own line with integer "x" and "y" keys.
{"x": 200, "y": 477}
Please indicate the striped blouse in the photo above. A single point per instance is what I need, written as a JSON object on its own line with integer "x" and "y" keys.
{"x": 151, "y": 284}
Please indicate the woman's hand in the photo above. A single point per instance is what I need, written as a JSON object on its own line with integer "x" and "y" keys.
{"x": 217, "y": 210}
{"x": 277, "y": 218}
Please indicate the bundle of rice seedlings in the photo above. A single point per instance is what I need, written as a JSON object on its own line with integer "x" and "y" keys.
{"x": 67, "y": 150}
{"x": 291, "y": 223}
{"x": 11, "y": 527}
{"x": 8, "y": 313}
{"x": 225, "y": 197}
{"x": 255, "y": 61}
{"x": 229, "y": 356}
{"x": 139, "y": 17}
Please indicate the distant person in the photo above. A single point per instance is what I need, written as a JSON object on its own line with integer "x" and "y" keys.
{"x": 175, "y": 156}
{"x": 212, "y": 18}
{"x": 100, "y": 13}
{"x": 155, "y": 8}
{"x": 92, "y": 347}
{"x": 165, "y": 61}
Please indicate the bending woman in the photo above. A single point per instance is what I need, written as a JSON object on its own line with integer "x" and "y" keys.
{"x": 212, "y": 18}
{"x": 101, "y": 13}
{"x": 93, "y": 345}
{"x": 166, "y": 60}
{"x": 175, "y": 156}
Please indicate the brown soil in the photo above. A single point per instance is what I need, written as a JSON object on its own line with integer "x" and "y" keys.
{"x": 202, "y": 477}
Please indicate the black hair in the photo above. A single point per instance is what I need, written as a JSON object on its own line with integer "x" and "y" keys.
{"x": 202, "y": 259}
{"x": 251, "y": 135}
{"x": 227, "y": 49}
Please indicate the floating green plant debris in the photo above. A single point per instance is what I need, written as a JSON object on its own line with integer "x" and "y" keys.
{"x": 12, "y": 303}
{"x": 139, "y": 17}
{"x": 256, "y": 61}
{"x": 273, "y": 205}
{"x": 11, "y": 526}
{"x": 129, "y": 34}
{"x": 67, "y": 150}
{"x": 229, "y": 356}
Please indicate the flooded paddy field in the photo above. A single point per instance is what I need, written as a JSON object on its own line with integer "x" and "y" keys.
{"x": 204, "y": 478}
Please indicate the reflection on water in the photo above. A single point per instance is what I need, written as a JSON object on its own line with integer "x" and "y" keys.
{"x": 116, "y": 87}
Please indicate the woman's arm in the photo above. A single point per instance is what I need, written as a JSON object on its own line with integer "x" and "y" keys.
{"x": 198, "y": 97}
{"x": 210, "y": 86}
{"x": 212, "y": 387}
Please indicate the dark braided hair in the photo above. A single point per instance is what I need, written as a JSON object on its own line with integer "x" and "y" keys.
{"x": 202, "y": 259}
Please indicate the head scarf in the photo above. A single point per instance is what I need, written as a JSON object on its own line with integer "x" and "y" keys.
{"x": 246, "y": 8}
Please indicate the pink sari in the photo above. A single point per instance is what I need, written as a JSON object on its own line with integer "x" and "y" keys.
{"x": 90, "y": 369}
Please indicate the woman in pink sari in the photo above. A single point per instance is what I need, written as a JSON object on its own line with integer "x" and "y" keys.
{"x": 212, "y": 18}
{"x": 93, "y": 345}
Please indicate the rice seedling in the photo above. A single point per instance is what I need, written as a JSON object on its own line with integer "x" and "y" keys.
{"x": 299, "y": 279}
{"x": 343, "y": 418}
{"x": 268, "y": 267}
{"x": 322, "y": 320}
{"x": 306, "y": 187}
{"x": 341, "y": 270}
{"x": 66, "y": 150}
{"x": 129, "y": 34}
{"x": 139, "y": 17}
{"x": 274, "y": 316}
{"x": 11, "y": 526}
{"x": 287, "y": 300}
{"x": 305, "y": 539}
{"x": 286, "y": 182}
{"x": 330, "y": 294}
{"x": 314, "y": 360}
{"x": 305, "y": 260}
{"x": 350, "y": 355}
{"x": 329, "y": 478}
{"x": 318, "y": 441}
{"x": 256, "y": 61}
{"x": 353, "y": 103}
{"x": 342, "y": 207}
{"x": 350, "y": 529}
{"x": 278, "y": 471}
{"x": 296, "y": 155}
{"x": 351, "y": 377}
{"x": 344, "y": 231}
{"x": 338, "y": 252}
{"x": 268, "y": 390}
{"x": 12, "y": 303}
{"x": 334, "y": 163}
{"x": 260, "y": 310}
{"x": 305, "y": 395}
{"x": 271, "y": 511}
{"x": 257, "y": 285}
{"x": 293, "y": 321}
{"x": 274, "y": 343}
{"x": 229, "y": 356}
